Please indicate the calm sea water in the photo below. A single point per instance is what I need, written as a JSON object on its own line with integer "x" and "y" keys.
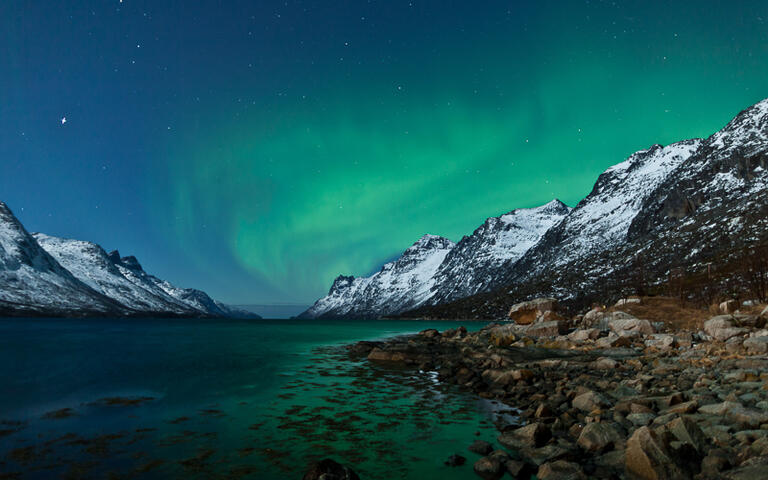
{"x": 115, "y": 398}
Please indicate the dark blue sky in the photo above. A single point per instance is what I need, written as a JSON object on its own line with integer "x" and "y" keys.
{"x": 257, "y": 149}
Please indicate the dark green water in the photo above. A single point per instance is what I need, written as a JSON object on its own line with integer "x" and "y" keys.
{"x": 225, "y": 399}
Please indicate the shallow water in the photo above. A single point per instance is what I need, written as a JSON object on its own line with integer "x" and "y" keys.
{"x": 223, "y": 399}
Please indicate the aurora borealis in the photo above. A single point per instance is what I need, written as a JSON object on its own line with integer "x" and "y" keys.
{"x": 258, "y": 149}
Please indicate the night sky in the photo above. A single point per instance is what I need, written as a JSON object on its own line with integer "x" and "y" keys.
{"x": 258, "y": 149}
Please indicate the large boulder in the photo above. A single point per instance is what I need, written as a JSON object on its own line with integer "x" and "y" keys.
{"x": 533, "y": 435}
{"x": 490, "y": 467}
{"x": 599, "y": 437}
{"x": 648, "y": 458}
{"x": 481, "y": 447}
{"x": 560, "y": 470}
{"x": 330, "y": 470}
{"x": 526, "y": 313}
{"x": 629, "y": 326}
{"x": 756, "y": 345}
{"x": 590, "y": 401}
{"x": 687, "y": 431}
{"x": 546, "y": 329}
{"x": 503, "y": 335}
{"x": 722, "y": 328}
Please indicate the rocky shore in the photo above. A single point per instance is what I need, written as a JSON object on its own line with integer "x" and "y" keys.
{"x": 606, "y": 394}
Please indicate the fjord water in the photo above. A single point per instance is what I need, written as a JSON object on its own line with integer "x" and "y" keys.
{"x": 158, "y": 398}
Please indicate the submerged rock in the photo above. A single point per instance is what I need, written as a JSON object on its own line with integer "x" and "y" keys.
{"x": 328, "y": 469}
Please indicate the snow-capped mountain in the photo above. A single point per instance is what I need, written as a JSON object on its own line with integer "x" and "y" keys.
{"x": 90, "y": 264}
{"x": 666, "y": 208}
{"x": 189, "y": 299}
{"x": 434, "y": 269}
{"x": 33, "y": 282}
{"x": 601, "y": 221}
{"x": 478, "y": 260}
{"x": 400, "y": 285}
{"x": 45, "y": 275}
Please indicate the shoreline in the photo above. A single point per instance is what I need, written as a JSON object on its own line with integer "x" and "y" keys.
{"x": 616, "y": 401}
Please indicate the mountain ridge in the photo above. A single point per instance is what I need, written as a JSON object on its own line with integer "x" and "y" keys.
{"x": 45, "y": 275}
{"x": 664, "y": 206}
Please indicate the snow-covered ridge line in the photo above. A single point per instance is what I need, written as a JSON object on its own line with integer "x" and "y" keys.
{"x": 45, "y": 275}
{"x": 634, "y": 204}
{"x": 434, "y": 268}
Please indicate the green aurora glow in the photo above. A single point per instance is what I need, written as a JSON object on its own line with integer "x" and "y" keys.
{"x": 355, "y": 160}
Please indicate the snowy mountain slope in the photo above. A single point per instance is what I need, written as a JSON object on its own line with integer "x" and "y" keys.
{"x": 476, "y": 261}
{"x": 90, "y": 264}
{"x": 33, "y": 282}
{"x": 707, "y": 201}
{"x": 602, "y": 220}
{"x": 435, "y": 269}
{"x": 400, "y": 285}
{"x": 46, "y": 275}
{"x": 191, "y": 300}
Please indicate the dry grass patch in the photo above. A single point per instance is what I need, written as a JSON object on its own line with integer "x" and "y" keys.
{"x": 669, "y": 311}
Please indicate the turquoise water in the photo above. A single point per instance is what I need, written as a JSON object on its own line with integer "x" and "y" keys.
{"x": 223, "y": 399}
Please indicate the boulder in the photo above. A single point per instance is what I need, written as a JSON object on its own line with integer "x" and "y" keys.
{"x": 526, "y": 313}
{"x": 481, "y": 447}
{"x": 687, "y": 431}
{"x": 719, "y": 409}
{"x": 548, "y": 453}
{"x": 753, "y": 469}
{"x": 648, "y": 458}
{"x": 599, "y": 437}
{"x": 630, "y": 326}
{"x": 504, "y": 335}
{"x": 605, "y": 363}
{"x": 560, "y": 470}
{"x": 532, "y": 435}
{"x": 641, "y": 419}
{"x": 632, "y": 299}
{"x": 379, "y": 355}
{"x": 550, "y": 316}
{"x": 590, "y": 401}
{"x": 662, "y": 341}
{"x": 757, "y": 345}
{"x": 455, "y": 460}
{"x": 429, "y": 333}
{"x": 592, "y": 318}
{"x": 750, "y": 321}
{"x": 546, "y": 329}
{"x": 613, "y": 341}
{"x": 583, "y": 335}
{"x": 329, "y": 470}
{"x": 747, "y": 417}
{"x": 722, "y": 328}
{"x": 497, "y": 377}
{"x": 729, "y": 306}
{"x": 489, "y": 468}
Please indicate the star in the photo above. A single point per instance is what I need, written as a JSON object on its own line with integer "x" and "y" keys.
{"x": 63, "y": 120}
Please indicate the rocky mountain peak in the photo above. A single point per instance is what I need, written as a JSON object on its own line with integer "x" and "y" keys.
{"x": 429, "y": 242}
{"x": 341, "y": 283}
